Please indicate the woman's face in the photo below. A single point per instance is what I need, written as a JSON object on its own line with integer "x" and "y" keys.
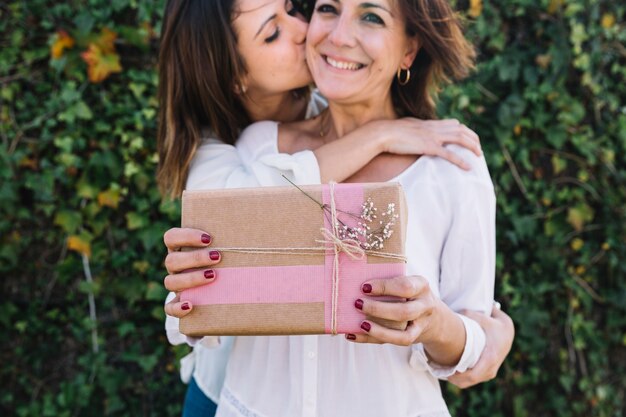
{"x": 355, "y": 48}
{"x": 271, "y": 38}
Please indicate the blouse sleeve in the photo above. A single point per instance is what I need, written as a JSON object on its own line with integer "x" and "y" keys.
{"x": 253, "y": 162}
{"x": 467, "y": 263}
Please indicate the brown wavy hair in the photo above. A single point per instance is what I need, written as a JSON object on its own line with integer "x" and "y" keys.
{"x": 199, "y": 69}
{"x": 444, "y": 55}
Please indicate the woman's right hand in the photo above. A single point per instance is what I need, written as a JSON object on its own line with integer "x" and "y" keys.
{"x": 410, "y": 136}
{"x": 187, "y": 269}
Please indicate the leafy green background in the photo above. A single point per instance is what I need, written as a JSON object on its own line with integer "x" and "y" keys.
{"x": 78, "y": 200}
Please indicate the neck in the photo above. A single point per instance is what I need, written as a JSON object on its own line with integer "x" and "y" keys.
{"x": 283, "y": 107}
{"x": 348, "y": 117}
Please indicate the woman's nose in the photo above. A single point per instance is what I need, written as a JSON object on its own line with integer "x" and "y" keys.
{"x": 342, "y": 34}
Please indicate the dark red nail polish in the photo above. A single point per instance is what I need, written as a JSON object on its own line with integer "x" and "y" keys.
{"x": 366, "y": 326}
{"x": 366, "y": 288}
{"x": 209, "y": 274}
{"x": 359, "y": 304}
{"x": 185, "y": 306}
{"x": 350, "y": 336}
{"x": 206, "y": 238}
{"x": 214, "y": 255}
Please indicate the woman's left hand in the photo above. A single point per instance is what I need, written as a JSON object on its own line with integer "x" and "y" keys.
{"x": 420, "y": 310}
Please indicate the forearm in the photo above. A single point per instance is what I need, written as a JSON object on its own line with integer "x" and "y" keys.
{"x": 444, "y": 341}
{"x": 345, "y": 156}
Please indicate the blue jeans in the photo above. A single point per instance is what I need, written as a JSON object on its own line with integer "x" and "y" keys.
{"x": 196, "y": 403}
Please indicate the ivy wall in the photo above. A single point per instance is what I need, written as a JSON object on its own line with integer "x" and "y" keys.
{"x": 81, "y": 220}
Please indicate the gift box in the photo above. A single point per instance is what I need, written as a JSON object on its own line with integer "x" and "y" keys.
{"x": 294, "y": 258}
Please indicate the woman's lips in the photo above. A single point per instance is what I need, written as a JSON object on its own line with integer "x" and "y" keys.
{"x": 341, "y": 64}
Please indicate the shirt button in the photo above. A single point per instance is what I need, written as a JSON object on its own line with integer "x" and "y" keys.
{"x": 311, "y": 355}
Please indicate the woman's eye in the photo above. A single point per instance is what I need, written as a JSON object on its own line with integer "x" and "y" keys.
{"x": 325, "y": 8}
{"x": 373, "y": 18}
{"x": 273, "y": 37}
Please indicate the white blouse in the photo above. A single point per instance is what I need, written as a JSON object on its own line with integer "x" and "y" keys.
{"x": 450, "y": 241}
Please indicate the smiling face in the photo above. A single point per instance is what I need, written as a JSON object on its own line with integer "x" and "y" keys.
{"x": 270, "y": 39}
{"x": 355, "y": 48}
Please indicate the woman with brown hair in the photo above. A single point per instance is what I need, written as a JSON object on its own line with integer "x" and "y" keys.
{"x": 225, "y": 75}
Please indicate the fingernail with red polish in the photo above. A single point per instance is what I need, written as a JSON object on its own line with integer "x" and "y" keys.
{"x": 209, "y": 274}
{"x": 359, "y": 304}
{"x": 366, "y": 326}
{"x": 350, "y": 336}
{"x": 214, "y": 255}
{"x": 366, "y": 288}
{"x": 206, "y": 238}
{"x": 185, "y": 307}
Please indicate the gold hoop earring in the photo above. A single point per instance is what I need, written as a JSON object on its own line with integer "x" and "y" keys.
{"x": 406, "y": 78}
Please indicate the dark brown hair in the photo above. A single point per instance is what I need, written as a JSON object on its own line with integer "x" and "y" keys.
{"x": 199, "y": 71}
{"x": 444, "y": 55}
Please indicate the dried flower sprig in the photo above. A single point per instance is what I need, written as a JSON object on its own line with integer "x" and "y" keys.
{"x": 368, "y": 239}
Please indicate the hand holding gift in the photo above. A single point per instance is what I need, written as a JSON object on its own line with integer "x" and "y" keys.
{"x": 188, "y": 269}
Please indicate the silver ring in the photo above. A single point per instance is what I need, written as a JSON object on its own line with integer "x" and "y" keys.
{"x": 497, "y": 305}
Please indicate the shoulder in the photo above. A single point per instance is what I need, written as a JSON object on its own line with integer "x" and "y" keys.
{"x": 258, "y": 139}
{"x": 445, "y": 172}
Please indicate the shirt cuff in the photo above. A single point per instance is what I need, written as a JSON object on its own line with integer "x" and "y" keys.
{"x": 474, "y": 345}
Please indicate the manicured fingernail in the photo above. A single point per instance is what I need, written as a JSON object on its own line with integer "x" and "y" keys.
{"x": 206, "y": 238}
{"x": 209, "y": 274}
{"x": 185, "y": 307}
{"x": 359, "y": 304}
{"x": 366, "y": 288}
{"x": 214, "y": 255}
{"x": 366, "y": 326}
{"x": 351, "y": 336}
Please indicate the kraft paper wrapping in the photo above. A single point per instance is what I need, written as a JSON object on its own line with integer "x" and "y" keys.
{"x": 286, "y": 293}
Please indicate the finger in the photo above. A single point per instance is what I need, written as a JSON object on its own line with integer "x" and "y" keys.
{"x": 177, "y": 237}
{"x": 362, "y": 338}
{"x": 186, "y": 280}
{"x": 472, "y": 135}
{"x": 464, "y": 137}
{"x": 405, "y": 287}
{"x": 397, "y": 337}
{"x": 472, "y": 140}
{"x": 389, "y": 310}
{"x": 452, "y": 157}
{"x": 199, "y": 258}
{"x": 177, "y": 308}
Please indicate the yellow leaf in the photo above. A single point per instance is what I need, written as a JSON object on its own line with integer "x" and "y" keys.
{"x": 100, "y": 63}
{"x": 608, "y": 20}
{"x": 476, "y": 8}
{"x": 554, "y": 6}
{"x": 543, "y": 60}
{"x": 106, "y": 40}
{"x": 577, "y": 244}
{"x": 78, "y": 244}
{"x": 62, "y": 42}
{"x": 580, "y": 270}
{"x": 578, "y": 216}
{"x": 109, "y": 198}
{"x": 517, "y": 130}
